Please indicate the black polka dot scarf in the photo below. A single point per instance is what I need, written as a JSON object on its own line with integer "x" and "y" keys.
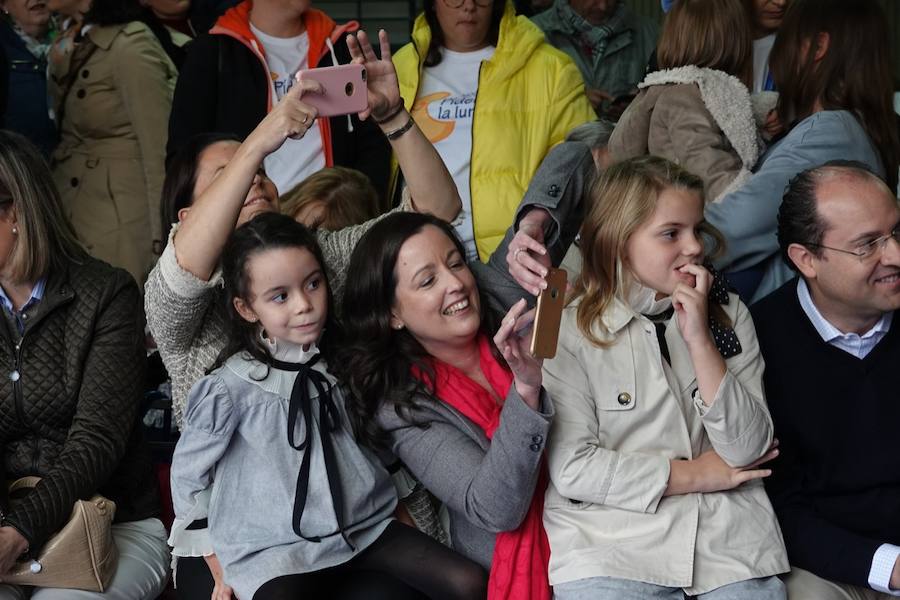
{"x": 725, "y": 338}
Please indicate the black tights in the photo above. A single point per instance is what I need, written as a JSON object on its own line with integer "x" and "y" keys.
{"x": 403, "y": 563}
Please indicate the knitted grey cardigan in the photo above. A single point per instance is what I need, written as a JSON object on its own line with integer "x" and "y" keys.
{"x": 186, "y": 315}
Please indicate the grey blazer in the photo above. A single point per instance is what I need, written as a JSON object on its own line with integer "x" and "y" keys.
{"x": 488, "y": 485}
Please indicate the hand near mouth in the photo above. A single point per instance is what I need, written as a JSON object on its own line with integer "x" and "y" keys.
{"x": 691, "y": 305}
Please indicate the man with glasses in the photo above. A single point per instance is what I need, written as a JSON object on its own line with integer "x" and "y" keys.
{"x": 831, "y": 342}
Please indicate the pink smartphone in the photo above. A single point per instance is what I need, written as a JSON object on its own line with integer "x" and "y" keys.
{"x": 344, "y": 89}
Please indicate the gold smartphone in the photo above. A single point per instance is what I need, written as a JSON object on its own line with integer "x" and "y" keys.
{"x": 548, "y": 314}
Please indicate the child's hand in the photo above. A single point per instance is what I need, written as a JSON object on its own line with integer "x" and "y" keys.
{"x": 690, "y": 300}
{"x": 514, "y": 348}
{"x": 221, "y": 591}
{"x": 712, "y": 474}
{"x": 382, "y": 84}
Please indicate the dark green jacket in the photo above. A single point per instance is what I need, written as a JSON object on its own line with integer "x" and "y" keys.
{"x": 69, "y": 400}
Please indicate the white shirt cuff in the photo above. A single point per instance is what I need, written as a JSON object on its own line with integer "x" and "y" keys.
{"x": 882, "y": 567}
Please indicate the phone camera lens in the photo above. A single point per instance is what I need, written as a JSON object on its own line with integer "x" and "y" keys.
{"x": 554, "y": 293}
{"x": 363, "y": 74}
{"x": 348, "y": 89}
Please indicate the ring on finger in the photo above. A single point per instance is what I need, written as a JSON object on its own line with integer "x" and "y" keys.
{"x": 305, "y": 119}
{"x": 516, "y": 254}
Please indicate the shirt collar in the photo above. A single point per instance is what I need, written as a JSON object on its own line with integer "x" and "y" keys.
{"x": 829, "y": 332}
{"x": 37, "y": 294}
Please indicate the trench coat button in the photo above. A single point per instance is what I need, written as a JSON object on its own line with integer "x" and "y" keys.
{"x": 535, "y": 447}
{"x": 85, "y": 73}
{"x": 537, "y": 439}
{"x": 74, "y": 182}
{"x": 553, "y": 190}
{"x": 624, "y": 398}
{"x": 81, "y": 93}
{"x": 14, "y": 376}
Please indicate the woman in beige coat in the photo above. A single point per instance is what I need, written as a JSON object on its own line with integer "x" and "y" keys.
{"x": 661, "y": 422}
{"x": 112, "y": 96}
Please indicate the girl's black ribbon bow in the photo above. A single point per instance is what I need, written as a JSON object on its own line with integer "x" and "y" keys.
{"x": 329, "y": 422}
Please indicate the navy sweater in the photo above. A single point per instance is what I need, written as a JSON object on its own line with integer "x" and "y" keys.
{"x": 836, "y": 485}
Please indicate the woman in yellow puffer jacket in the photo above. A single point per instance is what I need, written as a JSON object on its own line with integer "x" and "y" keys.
{"x": 493, "y": 97}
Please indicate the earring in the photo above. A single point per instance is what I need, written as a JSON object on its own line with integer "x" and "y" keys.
{"x": 398, "y": 326}
{"x": 15, "y": 231}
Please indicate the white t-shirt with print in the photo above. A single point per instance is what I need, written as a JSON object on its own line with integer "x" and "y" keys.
{"x": 443, "y": 111}
{"x": 296, "y": 159}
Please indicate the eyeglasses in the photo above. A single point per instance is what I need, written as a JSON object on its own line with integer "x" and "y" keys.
{"x": 867, "y": 250}
{"x": 459, "y": 3}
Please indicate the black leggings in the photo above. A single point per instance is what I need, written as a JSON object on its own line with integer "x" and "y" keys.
{"x": 403, "y": 563}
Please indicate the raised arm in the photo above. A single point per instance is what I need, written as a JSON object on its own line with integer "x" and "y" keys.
{"x": 213, "y": 215}
{"x": 430, "y": 184}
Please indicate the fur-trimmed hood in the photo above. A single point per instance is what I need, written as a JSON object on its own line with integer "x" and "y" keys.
{"x": 727, "y": 100}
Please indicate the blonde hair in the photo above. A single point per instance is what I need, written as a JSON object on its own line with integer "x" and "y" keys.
{"x": 45, "y": 238}
{"x": 715, "y": 34}
{"x": 347, "y": 195}
{"x": 621, "y": 200}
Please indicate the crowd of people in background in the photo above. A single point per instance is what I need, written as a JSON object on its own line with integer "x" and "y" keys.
{"x": 718, "y": 421}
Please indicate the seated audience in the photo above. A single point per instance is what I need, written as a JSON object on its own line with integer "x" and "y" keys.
{"x": 609, "y": 43}
{"x": 661, "y": 426}
{"x": 111, "y": 96}
{"x": 493, "y": 97}
{"x": 25, "y": 37}
{"x": 831, "y": 342}
{"x": 69, "y": 406}
{"x": 216, "y": 184}
{"x": 333, "y": 534}
{"x": 696, "y": 110}
{"x": 333, "y": 198}
{"x": 235, "y": 75}
{"x": 766, "y": 17}
{"x": 439, "y": 380}
{"x": 832, "y": 69}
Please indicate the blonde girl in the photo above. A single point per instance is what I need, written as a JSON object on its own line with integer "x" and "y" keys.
{"x": 661, "y": 423}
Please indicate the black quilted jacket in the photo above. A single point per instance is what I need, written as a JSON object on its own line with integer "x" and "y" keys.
{"x": 69, "y": 399}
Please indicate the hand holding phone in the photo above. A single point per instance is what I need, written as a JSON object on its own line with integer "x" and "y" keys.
{"x": 548, "y": 315}
{"x": 343, "y": 89}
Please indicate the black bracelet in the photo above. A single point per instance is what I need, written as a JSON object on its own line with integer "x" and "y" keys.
{"x": 396, "y": 112}
{"x": 393, "y": 135}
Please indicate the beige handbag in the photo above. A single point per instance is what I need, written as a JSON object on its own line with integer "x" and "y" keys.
{"x": 80, "y": 556}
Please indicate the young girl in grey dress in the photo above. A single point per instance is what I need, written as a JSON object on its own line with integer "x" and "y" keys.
{"x": 296, "y": 515}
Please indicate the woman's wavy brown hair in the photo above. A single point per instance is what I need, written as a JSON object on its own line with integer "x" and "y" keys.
{"x": 854, "y": 74}
{"x": 621, "y": 200}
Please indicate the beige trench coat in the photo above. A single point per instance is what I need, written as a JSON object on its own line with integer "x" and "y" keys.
{"x": 110, "y": 163}
{"x": 621, "y": 414}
